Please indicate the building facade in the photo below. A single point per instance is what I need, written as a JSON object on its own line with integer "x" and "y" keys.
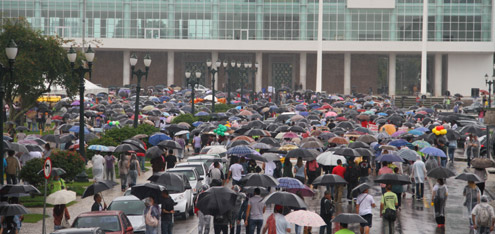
{"x": 382, "y": 46}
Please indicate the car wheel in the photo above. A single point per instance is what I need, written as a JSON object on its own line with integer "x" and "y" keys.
{"x": 191, "y": 211}
{"x": 185, "y": 215}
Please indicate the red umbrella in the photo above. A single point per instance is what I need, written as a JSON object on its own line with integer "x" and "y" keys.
{"x": 57, "y": 117}
{"x": 290, "y": 135}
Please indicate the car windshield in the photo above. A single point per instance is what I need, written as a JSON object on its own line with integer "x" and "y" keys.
{"x": 129, "y": 207}
{"x": 188, "y": 173}
{"x": 109, "y": 223}
{"x": 201, "y": 160}
{"x": 199, "y": 168}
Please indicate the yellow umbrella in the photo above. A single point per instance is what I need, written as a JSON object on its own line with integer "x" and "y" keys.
{"x": 288, "y": 147}
{"x": 389, "y": 128}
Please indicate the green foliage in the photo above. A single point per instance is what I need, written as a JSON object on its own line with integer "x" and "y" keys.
{"x": 222, "y": 107}
{"x": 120, "y": 134}
{"x": 33, "y": 218}
{"x": 78, "y": 187}
{"x": 71, "y": 162}
{"x": 29, "y": 172}
{"x": 188, "y": 118}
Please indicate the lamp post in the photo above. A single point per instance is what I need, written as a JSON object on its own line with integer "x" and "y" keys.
{"x": 253, "y": 69}
{"x": 81, "y": 71}
{"x": 11, "y": 52}
{"x": 213, "y": 70}
{"x": 489, "y": 83}
{"x": 139, "y": 74}
{"x": 193, "y": 81}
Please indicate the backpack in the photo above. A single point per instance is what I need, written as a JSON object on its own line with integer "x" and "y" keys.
{"x": 441, "y": 193}
{"x": 150, "y": 220}
{"x": 109, "y": 162}
{"x": 133, "y": 166}
{"x": 390, "y": 214}
{"x": 483, "y": 216}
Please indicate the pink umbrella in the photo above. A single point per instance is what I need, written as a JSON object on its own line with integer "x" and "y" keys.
{"x": 290, "y": 135}
{"x": 305, "y": 218}
{"x": 169, "y": 119}
{"x": 330, "y": 114}
{"x": 27, "y": 142}
{"x": 305, "y": 192}
{"x": 398, "y": 133}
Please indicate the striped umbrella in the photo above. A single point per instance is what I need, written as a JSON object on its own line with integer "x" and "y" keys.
{"x": 240, "y": 150}
{"x": 289, "y": 183}
{"x": 433, "y": 151}
{"x": 98, "y": 148}
{"x": 421, "y": 144}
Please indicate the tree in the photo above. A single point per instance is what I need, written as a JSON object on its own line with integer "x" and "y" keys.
{"x": 40, "y": 63}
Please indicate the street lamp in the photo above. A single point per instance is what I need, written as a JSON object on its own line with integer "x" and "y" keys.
{"x": 253, "y": 69}
{"x": 213, "y": 70}
{"x": 193, "y": 81}
{"x": 139, "y": 74}
{"x": 81, "y": 71}
{"x": 489, "y": 83}
{"x": 11, "y": 52}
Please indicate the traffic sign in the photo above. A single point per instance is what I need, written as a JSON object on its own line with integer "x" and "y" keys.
{"x": 47, "y": 168}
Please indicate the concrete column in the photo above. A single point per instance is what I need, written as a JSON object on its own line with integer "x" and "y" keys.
{"x": 439, "y": 21}
{"x": 438, "y": 75}
{"x": 127, "y": 19}
{"x": 171, "y": 20}
{"x": 393, "y": 26}
{"x": 302, "y": 68}
{"x": 127, "y": 68}
{"x": 170, "y": 67}
{"x": 215, "y": 24}
{"x": 303, "y": 20}
{"x": 319, "y": 54}
{"x": 424, "y": 55}
{"x": 259, "y": 20}
{"x": 347, "y": 73}
{"x": 392, "y": 61}
{"x": 214, "y": 58}
{"x": 259, "y": 73}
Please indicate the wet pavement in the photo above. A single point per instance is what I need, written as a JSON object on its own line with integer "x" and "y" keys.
{"x": 415, "y": 217}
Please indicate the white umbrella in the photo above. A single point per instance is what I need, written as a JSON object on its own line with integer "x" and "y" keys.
{"x": 209, "y": 97}
{"x": 305, "y": 218}
{"x": 217, "y": 150}
{"x": 183, "y": 132}
{"x": 280, "y": 135}
{"x": 61, "y": 197}
{"x": 330, "y": 159}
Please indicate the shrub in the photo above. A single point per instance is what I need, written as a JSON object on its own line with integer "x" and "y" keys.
{"x": 71, "y": 162}
{"x": 29, "y": 172}
{"x": 188, "y": 118}
{"x": 222, "y": 107}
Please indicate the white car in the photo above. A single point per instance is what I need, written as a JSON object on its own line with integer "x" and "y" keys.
{"x": 183, "y": 197}
{"x": 133, "y": 208}
{"x": 199, "y": 166}
{"x": 192, "y": 175}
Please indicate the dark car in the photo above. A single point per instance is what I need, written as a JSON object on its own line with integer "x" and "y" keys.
{"x": 473, "y": 108}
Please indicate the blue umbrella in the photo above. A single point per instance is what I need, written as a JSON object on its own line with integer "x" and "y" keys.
{"x": 202, "y": 113}
{"x": 76, "y": 129}
{"x": 240, "y": 150}
{"x": 164, "y": 98}
{"x": 382, "y": 114}
{"x": 304, "y": 113}
{"x": 416, "y": 132}
{"x": 430, "y": 150}
{"x": 389, "y": 158}
{"x": 99, "y": 148}
{"x": 423, "y": 129}
{"x": 290, "y": 183}
{"x": 157, "y": 138}
{"x": 398, "y": 143}
{"x": 197, "y": 123}
{"x": 300, "y": 108}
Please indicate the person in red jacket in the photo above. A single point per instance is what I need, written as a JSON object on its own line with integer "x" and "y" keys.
{"x": 339, "y": 170}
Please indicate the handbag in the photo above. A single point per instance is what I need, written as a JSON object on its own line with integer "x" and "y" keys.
{"x": 150, "y": 220}
{"x": 390, "y": 214}
{"x": 65, "y": 223}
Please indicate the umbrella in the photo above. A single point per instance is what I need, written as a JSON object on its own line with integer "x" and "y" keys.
{"x": 421, "y": 144}
{"x": 389, "y": 158}
{"x": 154, "y": 152}
{"x": 469, "y": 177}
{"x": 393, "y": 179}
{"x": 98, "y": 148}
{"x": 364, "y": 152}
{"x": 288, "y": 147}
{"x": 285, "y": 199}
{"x": 143, "y": 191}
{"x": 289, "y": 183}
{"x": 398, "y": 143}
{"x": 157, "y": 138}
{"x": 32, "y": 148}
{"x": 388, "y": 147}
{"x": 347, "y": 152}
{"x": 171, "y": 181}
{"x": 61, "y": 197}
{"x": 96, "y": 188}
{"x": 169, "y": 144}
{"x": 12, "y": 209}
{"x": 240, "y": 150}
{"x": 259, "y": 145}
{"x": 338, "y": 140}
{"x": 306, "y": 154}
{"x": 367, "y": 139}
{"x": 433, "y": 151}
{"x": 305, "y": 218}
{"x": 18, "y": 147}
{"x": 290, "y": 135}
{"x": 21, "y": 128}
{"x": 183, "y": 132}
{"x": 330, "y": 159}
{"x": 125, "y": 148}
{"x": 329, "y": 179}
{"x": 56, "y": 171}
{"x": 216, "y": 149}
{"x": 255, "y": 132}
{"x": 440, "y": 173}
{"x": 76, "y": 129}
{"x": 305, "y": 192}
{"x": 358, "y": 144}
{"x": 408, "y": 154}
{"x": 261, "y": 180}
{"x": 18, "y": 189}
{"x": 360, "y": 189}
{"x": 312, "y": 145}
{"x": 348, "y": 218}
{"x": 216, "y": 201}
{"x": 140, "y": 136}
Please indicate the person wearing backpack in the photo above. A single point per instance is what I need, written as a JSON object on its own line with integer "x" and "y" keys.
{"x": 483, "y": 216}
{"x": 473, "y": 197}
{"x": 151, "y": 216}
{"x": 387, "y": 209}
{"x": 439, "y": 198}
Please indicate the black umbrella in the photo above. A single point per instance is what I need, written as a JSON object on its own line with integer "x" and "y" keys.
{"x": 297, "y": 129}
{"x": 329, "y": 179}
{"x": 56, "y": 171}
{"x": 12, "y": 209}
{"x": 452, "y": 135}
{"x": 171, "y": 181}
{"x": 143, "y": 191}
{"x": 393, "y": 179}
{"x": 285, "y": 199}
{"x": 262, "y": 180}
{"x": 154, "y": 152}
{"x": 474, "y": 129}
{"x": 33, "y": 148}
{"x": 18, "y": 189}
{"x": 250, "y": 190}
{"x": 216, "y": 201}
{"x": 306, "y": 154}
{"x": 96, "y": 188}
{"x": 469, "y": 177}
{"x": 67, "y": 138}
{"x": 358, "y": 144}
{"x": 441, "y": 173}
{"x": 125, "y": 148}
{"x": 347, "y": 152}
{"x": 360, "y": 189}
{"x": 270, "y": 141}
{"x": 21, "y": 128}
{"x": 364, "y": 152}
{"x": 169, "y": 144}
{"x": 255, "y": 132}
{"x": 137, "y": 143}
{"x": 51, "y": 138}
{"x": 348, "y": 218}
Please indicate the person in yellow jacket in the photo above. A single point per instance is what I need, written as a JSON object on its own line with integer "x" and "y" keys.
{"x": 57, "y": 184}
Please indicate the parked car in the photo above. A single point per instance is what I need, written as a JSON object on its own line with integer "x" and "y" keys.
{"x": 133, "y": 208}
{"x": 473, "y": 108}
{"x": 183, "y": 197}
{"x": 208, "y": 160}
{"x": 111, "y": 221}
{"x": 95, "y": 230}
{"x": 192, "y": 175}
{"x": 199, "y": 166}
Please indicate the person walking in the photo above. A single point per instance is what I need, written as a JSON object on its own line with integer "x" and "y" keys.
{"x": 483, "y": 216}
{"x": 182, "y": 143}
{"x": 387, "y": 209}
{"x": 241, "y": 197}
{"x": 158, "y": 164}
{"x": 109, "y": 166}
{"x": 287, "y": 168}
{"x": 351, "y": 175}
{"x": 60, "y": 212}
{"x": 480, "y": 172}
{"x": 204, "y": 220}
{"x": 312, "y": 171}
{"x": 299, "y": 170}
{"x": 134, "y": 170}
{"x": 235, "y": 171}
{"x": 418, "y": 174}
{"x": 98, "y": 166}
{"x": 196, "y": 143}
{"x": 154, "y": 212}
{"x": 339, "y": 170}
{"x": 13, "y": 167}
{"x": 398, "y": 189}
{"x": 97, "y": 205}
{"x": 364, "y": 205}
{"x": 364, "y": 170}
{"x": 124, "y": 164}
{"x": 216, "y": 174}
{"x": 167, "y": 213}
{"x": 472, "y": 146}
{"x": 384, "y": 170}
{"x": 276, "y": 222}
{"x": 439, "y": 198}
{"x": 472, "y": 196}
{"x": 170, "y": 159}
{"x": 451, "y": 149}
{"x": 221, "y": 222}
{"x": 327, "y": 209}
{"x": 254, "y": 213}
